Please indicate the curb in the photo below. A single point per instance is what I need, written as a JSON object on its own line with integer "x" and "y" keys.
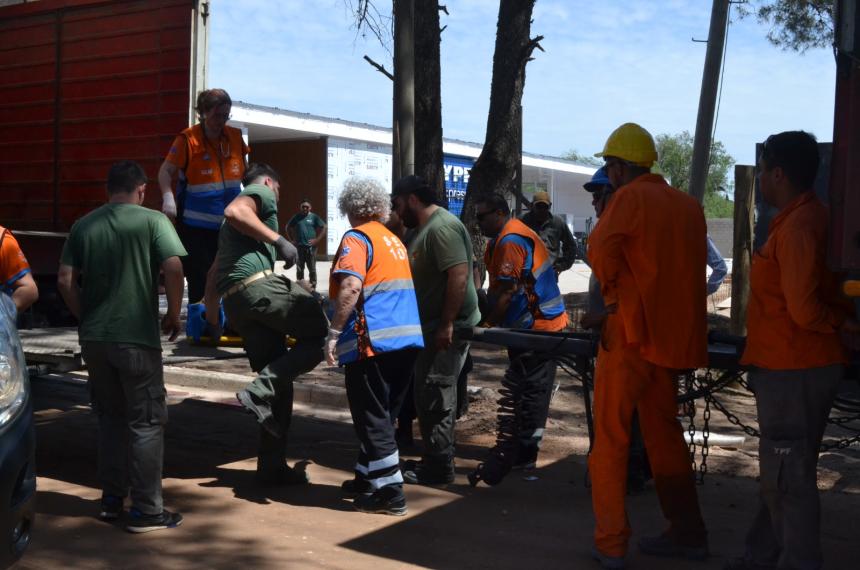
{"x": 315, "y": 394}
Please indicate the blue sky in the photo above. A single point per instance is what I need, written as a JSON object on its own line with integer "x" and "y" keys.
{"x": 605, "y": 63}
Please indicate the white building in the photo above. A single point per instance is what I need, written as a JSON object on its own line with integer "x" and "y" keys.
{"x": 315, "y": 155}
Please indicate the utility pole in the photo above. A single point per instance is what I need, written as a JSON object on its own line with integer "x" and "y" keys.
{"x": 708, "y": 99}
{"x": 403, "y": 125}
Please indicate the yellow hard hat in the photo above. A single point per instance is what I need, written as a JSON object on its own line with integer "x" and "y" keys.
{"x": 632, "y": 143}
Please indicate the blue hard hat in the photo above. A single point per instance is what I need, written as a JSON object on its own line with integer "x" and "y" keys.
{"x": 598, "y": 181}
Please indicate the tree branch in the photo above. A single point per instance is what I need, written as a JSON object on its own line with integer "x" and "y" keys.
{"x": 380, "y": 68}
{"x": 443, "y": 8}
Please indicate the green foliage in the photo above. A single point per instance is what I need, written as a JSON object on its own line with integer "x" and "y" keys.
{"x": 575, "y": 156}
{"x": 675, "y": 158}
{"x": 796, "y": 25}
{"x": 718, "y": 206}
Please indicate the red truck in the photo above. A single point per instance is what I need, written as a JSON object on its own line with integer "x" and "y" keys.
{"x": 85, "y": 83}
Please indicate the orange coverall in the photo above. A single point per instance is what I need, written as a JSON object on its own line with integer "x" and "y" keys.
{"x": 795, "y": 308}
{"x": 648, "y": 251}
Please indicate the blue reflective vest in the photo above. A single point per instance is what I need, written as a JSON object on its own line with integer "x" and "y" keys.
{"x": 385, "y": 318}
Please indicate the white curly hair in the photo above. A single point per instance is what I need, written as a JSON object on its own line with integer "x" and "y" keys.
{"x": 364, "y": 199}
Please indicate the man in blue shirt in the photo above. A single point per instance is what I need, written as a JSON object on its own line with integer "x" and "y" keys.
{"x": 718, "y": 266}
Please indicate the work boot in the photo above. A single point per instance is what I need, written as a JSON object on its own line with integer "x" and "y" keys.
{"x": 262, "y": 410}
{"x": 427, "y": 473}
{"x": 606, "y": 561}
{"x": 388, "y": 500}
{"x": 664, "y": 546}
{"x": 356, "y": 486}
{"x": 283, "y": 475}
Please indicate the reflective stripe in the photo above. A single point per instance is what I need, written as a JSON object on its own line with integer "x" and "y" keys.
{"x": 395, "y": 332}
{"x": 548, "y": 305}
{"x": 346, "y": 346}
{"x": 393, "y": 285}
{"x": 195, "y": 215}
{"x": 384, "y": 463}
{"x": 380, "y": 482}
{"x": 213, "y": 186}
{"x": 539, "y": 271}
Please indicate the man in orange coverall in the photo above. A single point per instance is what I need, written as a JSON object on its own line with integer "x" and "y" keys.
{"x": 648, "y": 251}
{"x": 795, "y": 319}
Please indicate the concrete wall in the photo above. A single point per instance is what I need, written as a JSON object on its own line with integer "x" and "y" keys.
{"x": 721, "y": 231}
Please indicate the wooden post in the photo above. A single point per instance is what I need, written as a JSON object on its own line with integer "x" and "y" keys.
{"x": 743, "y": 246}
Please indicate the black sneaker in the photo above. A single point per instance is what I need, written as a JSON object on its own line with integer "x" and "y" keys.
{"x": 262, "y": 410}
{"x": 356, "y": 486}
{"x": 666, "y": 547}
{"x": 422, "y": 474}
{"x": 111, "y": 508}
{"x": 284, "y": 476}
{"x": 388, "y": 500}
{"x": 141, "y": 523}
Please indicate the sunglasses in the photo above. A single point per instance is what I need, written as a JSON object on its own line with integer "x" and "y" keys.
{"x": 481, "y": 215}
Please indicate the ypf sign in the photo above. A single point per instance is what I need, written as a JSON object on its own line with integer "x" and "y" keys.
{"x": 456, "y": 180}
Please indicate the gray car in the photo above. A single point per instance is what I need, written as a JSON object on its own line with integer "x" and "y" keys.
{"x": 17, "y": 441}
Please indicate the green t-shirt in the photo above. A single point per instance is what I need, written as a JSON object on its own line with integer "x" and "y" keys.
{"x": 305, "y": 226}
{"x": 442, "y": 243}
{"x": 240, "y": 256}
{"x": 119, "y": 249}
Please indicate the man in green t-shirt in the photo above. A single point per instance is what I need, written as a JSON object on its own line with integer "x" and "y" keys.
{"x": 116, "y": 252}
{"x": 264, "y": 308}
{"x": 306, "y": 231}
{"x": 440, "y": 255}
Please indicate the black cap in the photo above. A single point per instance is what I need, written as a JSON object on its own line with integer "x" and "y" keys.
{"x": 409, "y": 185}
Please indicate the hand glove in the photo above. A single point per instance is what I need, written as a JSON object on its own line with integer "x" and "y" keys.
{"x": 168, "y": 205}
{"x": 331, "y": 345}
{"x": 286, "y": 251}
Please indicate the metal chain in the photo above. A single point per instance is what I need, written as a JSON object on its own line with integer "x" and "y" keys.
{"x": 690, "y": 409}
{"x": 733, "y": 419}
{"x": 706, "y": 433}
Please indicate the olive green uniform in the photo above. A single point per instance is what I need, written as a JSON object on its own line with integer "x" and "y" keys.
{"x": 264, "y": 312}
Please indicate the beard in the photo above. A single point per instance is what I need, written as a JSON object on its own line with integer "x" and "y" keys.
{"x": 409, "y": 218}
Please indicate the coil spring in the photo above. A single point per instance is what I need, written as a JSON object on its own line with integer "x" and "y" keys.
{"x": 501, "y": 457}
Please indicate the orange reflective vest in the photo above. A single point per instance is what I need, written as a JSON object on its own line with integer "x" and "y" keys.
{"x": 386, "y": 317}
{"x": 537, "y": 297}
{"x": 211, "y": 177}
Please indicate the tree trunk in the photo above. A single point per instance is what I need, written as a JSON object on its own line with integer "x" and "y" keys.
{"x": 403, "y": 124}
{"x": 497, "y": 167}
{"x": 743, "y": 246}
{"x": 428, "y": 98}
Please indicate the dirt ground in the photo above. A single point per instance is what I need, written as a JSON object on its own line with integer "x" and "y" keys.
{"x": 231, "y": 522}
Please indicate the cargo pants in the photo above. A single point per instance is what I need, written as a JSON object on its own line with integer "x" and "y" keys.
{"x": 126, "y": 383}
{"x": 436, "y": 375}
{"x": 264, "y": 313}
{"x": 793, "y": 407}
